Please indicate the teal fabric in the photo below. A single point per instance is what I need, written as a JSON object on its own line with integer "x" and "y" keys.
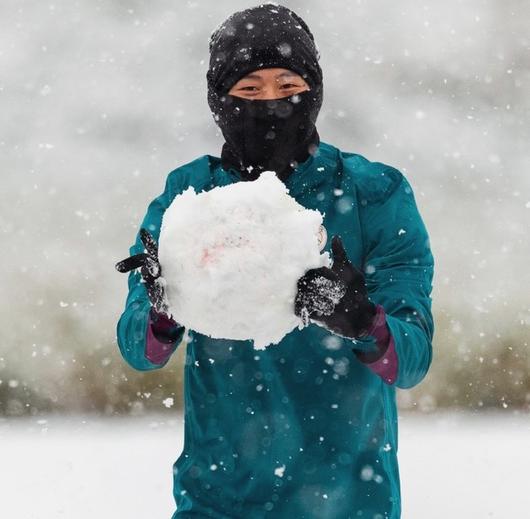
{"x": 302, "y": 429}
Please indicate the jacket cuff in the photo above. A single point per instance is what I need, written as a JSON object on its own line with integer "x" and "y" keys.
{"x": 161, "y": 337}
{"x": 383, "y": 361}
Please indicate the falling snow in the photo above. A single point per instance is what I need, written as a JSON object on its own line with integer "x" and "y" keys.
{"x": 279, "y": 471}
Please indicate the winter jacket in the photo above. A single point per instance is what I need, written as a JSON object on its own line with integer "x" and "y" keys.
{"x": 303, "y": 429}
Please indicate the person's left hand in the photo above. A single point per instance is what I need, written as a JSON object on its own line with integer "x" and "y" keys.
{"x": 336, "y": 297}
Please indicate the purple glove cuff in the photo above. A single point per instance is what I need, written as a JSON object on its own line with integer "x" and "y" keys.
{"x": 157, "y": 347}
{"x": 386, "y": 366}
{"x": 385, "y": 361}
{"x": 379, "y": 330}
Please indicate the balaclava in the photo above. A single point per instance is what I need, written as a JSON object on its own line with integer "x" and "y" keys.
{"x": 264, "y": 134}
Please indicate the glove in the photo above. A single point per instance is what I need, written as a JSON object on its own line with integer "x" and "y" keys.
{"x": 151, "y": 272}
{"x": 336, "y": 298}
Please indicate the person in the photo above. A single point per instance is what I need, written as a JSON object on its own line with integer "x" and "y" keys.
{"x": 306, "y": 428}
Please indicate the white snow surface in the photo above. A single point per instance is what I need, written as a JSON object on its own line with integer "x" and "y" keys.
{"x": 451, "y": 465}
{"x": 231, "y": 258}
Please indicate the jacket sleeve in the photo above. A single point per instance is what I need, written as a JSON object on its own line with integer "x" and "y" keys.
{"x": 140, "y": 341}
{"x": 399, "y": 268}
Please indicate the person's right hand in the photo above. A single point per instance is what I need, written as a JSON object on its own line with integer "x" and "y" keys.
{"x": 150, "y": 270}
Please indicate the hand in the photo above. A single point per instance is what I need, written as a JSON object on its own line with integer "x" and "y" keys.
{"x": 150, "y": 270}
{"x": 336, "y": 298}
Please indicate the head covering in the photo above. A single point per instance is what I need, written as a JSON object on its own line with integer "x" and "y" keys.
{"x": 269, "y": 35}
{"x": 264, "y": 134}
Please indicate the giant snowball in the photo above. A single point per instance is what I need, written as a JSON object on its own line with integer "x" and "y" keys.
{"x": 231, "y": 258}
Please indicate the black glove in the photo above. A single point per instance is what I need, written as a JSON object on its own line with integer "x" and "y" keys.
{"x": 337, "y": 297}
{"x": 150, "y": 270}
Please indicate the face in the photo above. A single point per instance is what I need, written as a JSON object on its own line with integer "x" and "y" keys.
{"x": 269, "y": 83}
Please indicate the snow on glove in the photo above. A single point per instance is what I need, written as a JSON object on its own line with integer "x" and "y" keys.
{"x": 150, "y": 270}
{"x": 336, "y": 298}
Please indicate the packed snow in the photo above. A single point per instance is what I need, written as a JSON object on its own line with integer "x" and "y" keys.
{"x": 231, "y": 258}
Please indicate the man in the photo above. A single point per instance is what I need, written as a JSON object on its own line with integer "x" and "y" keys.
{"x": 306, "y": 428}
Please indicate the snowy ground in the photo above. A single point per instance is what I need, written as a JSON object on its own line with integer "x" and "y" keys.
{"x": 452, "y": 465}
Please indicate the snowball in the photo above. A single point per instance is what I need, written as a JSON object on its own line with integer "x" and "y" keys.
{"x": 231, "y": 258}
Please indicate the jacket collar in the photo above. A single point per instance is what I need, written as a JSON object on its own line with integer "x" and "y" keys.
{"x": 318, "y": 172}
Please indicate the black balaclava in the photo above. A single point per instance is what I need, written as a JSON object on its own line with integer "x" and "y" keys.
{"x": 264, "y": 134}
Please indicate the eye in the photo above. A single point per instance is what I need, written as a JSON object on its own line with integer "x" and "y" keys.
{"x": 289, "y": 85}
{"x": 247, "y": 87}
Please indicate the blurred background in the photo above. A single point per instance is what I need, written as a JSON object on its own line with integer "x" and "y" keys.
{"x": 100, "y": 100}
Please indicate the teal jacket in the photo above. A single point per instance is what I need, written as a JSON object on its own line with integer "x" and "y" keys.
{"x": 302, "y": 429}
